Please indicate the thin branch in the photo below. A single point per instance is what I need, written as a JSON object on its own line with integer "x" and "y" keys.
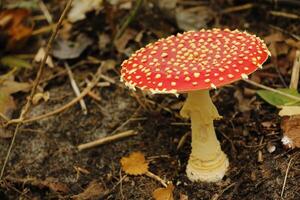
{"x": 155, "y": 177}
{"x": 76, "y": 89}
{"x": 60, "y": 109}
{"x": 295, "y": 72}
{"x": 35, "y": 84}
{"x": 106, "y": 140}
{"x": 285, "y": 177}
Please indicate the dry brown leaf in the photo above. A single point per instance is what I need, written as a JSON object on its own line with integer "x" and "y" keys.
{"x": 39, "y": 56}
{"x": 183, "y": 197}
{"x": 55, "y": 186}
{"x": 92, "y": 191}
{"x": 164, "y": 193}
{"x": 121, "y": 42}
{"x": 193, "y": 18}
{"x": 244, "y": 104}
{"x": 274, "y": 37}
{"x": 12, "y": 26}
{"x": 7, "y": 104}
{"x": 291, "y": 131}
{"x": 81, "y": 7}
{"x": 134, "y": 164}
{"x": 293, "y": 43}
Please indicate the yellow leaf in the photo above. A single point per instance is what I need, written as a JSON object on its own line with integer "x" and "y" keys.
{"x": 134, "y": 164}
{"x": 164, "y": 193}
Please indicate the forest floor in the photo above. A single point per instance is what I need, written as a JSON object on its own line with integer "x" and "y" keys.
{"x": 45, "y": 162}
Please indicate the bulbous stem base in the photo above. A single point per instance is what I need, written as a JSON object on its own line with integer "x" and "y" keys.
{"x": 207, "y": 161}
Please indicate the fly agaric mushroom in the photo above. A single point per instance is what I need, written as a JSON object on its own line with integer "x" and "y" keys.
{"x": 194, "y": 62}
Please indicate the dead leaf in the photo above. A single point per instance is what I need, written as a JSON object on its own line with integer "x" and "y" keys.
{"x": 81, "y": 7}
{"x": 291, "y": 129}
{"x": 121, "y": 42}
{"x": 293, "y": 43}
{"x": 66, "y": 49}
{"x": 134, "y": 164}
{"x": 107, "y": 65}
{"x": 193, "y": 18}
{"x": 104, "y": 40}
{"x": 13, "y": 28}
{"x": 244, "y": 104}
{"x": 7, "y": 104}
{"x": 40, "y": 56}
{"x": 55, "y": 186}
{"x": 274, "y": 37}
{"x": 183, "y": 197}
{"x": 40, "y": 96}
{"x": 164, "y": 193}
{"x": 92, "y": 191}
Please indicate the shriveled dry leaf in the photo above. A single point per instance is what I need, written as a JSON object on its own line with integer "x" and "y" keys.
{"x": 93, "y": 191}
{"x": 274, "y": 37}
{"x": 193, "y": 18}
{"x": 291, "y": 131}
{"x": 40, "y": 56}
{"x": 13, "y": 28}
{"x": 244, "y": 104}
{"x": 81, "y": 7}
{"x": 164, "y": 193}
{"x": 7, "y": 88}
{"x": 55, "y": 186}
{"x": 134, "y": 164}
{"x": 66, "y": 49}
{"x": 7, "y": 104}
{"x": 121, "y": 42}
{"x": 183, "y": 197}
{"x": 40, "y": 96}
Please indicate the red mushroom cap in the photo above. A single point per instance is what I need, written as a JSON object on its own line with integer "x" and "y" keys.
{"x": 194, "y": 60}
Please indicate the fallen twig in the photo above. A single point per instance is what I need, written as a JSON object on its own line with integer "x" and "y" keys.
{"x": 76, "y": 89}
{"x": 183, "y": 140}
{"x": 285, "y": 177}
{"x": 45, "y": 12}
{"x": 237, "y": 8}
{"x": 295, "y": 72}
{"x": 155, "y": 177}
{"x": 60, "y": 109}
{"x": 106, "y": 140}
{"x": 25, "y": 109}
{"x": 284, "y": 14}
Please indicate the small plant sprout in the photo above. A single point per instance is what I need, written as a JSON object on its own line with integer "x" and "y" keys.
{"x": 195, "y": 62}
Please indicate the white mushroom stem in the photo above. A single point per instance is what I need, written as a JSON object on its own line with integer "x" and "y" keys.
{"x": 207, "y": 161}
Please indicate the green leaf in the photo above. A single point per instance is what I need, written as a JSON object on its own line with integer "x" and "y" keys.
{"x": 12, "y": 62}
{"x": 278, "y": 99}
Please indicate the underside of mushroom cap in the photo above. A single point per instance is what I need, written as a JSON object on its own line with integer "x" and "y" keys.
{"x": 194, "y": 60}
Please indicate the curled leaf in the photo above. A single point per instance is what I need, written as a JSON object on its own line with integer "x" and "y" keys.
{"x": 164, "y": 193}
